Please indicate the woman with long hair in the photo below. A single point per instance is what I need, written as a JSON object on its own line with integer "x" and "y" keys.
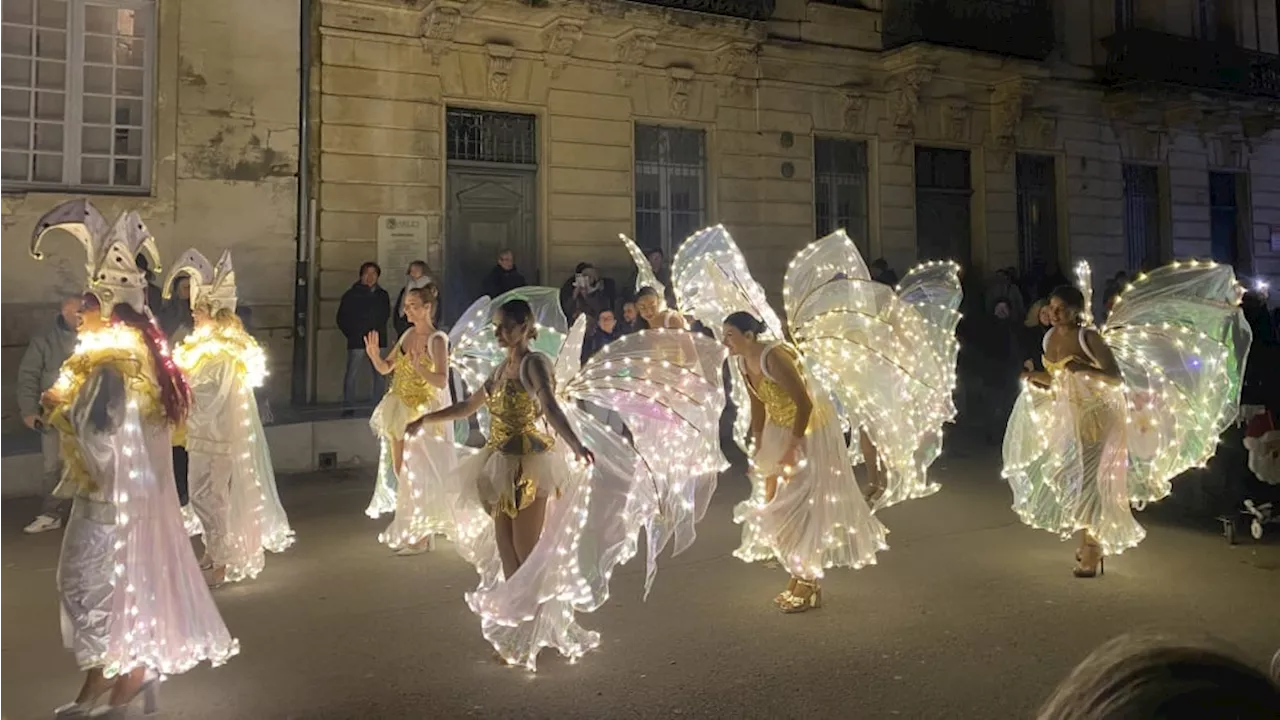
{"x": 418, "y": 464}
{"x": 813, "y": 516}
{"x": 232, "y": 482}
{"x": 1120, "y": 410}
{"x": 134, "y": 604}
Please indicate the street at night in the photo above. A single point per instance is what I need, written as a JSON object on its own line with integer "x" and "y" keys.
{"x": 970, "y": 614}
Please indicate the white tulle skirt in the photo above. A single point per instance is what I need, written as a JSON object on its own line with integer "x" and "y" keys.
{"x": 818, "y": 519}
{"x": 534, "y": 608}
{"x": 426, "y": 490}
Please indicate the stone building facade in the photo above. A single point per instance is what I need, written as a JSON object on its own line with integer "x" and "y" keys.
{"x": 1010, "y": 133}
{"x": 185, "y": 110}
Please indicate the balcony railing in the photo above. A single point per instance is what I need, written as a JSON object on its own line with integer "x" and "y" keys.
{"x": 1139, "y": 55}
{"x": 1018, "y": 28}
{"x": 746, "y": 9}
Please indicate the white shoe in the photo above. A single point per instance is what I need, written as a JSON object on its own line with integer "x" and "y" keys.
{"x": 43, "y": 523}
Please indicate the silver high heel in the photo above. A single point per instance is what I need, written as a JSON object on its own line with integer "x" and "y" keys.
{"x": 78, "y": 710}
{"x": 149, "y": 692}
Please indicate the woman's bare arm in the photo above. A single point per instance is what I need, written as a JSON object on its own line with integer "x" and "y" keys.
{"x": 784, "y": 371}
{"x": 438, "y": 353}
{"x": 542, "y": 385}
{"x": 458, "y": 410}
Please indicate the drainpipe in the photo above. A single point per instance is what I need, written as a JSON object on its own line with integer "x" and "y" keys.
{"x": 301, "y": 370}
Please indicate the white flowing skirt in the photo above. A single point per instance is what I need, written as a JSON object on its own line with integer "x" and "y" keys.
{"x": 534, "y": 608}
{"x": 818, "y": 519}
{"x": 426, "y": 491}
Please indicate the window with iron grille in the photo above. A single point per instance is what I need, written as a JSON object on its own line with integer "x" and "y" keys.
{"x": 491, "y": 137}
{"x": 1037, "y": 212}
{"x": 1124, "y": 14}
{"x": 1141, "y": 217}
{"x": 840, "y": 188}
{"x": 943, "y": 205}
{"x": 77, "y": 89}
{"x": 1224, "y": 217}
{"x": 670, "y": 185}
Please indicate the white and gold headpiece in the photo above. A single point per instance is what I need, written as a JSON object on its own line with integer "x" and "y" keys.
{"x": 214, "y": 286}
{"x": 111, "y": 251}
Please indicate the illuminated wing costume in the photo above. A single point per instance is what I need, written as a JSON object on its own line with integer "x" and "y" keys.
{"x": 131, "y": 589}
{"x": 233, "y": 483}
{"x": 1080, "y": 453}
{"x": 819, "y": 518}
{"x": 594, "y": 515}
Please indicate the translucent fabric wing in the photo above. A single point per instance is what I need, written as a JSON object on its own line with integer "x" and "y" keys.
{"x": 1084, "y": 281}
{"x": 659, "y": 384}
{"x": 711, "y": 282}
{"x": 887, "y": 357}
{"x": 644, "y": 271}
{"x": 1181, "y": 341}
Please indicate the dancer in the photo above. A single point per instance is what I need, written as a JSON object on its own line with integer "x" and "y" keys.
{"x": 134, "y": 604}
{"x": 233, "y": 484}
{"x": 1119, "y": 411}
{"x": 555, "y": 499}
{"x": 883, "y": 359}
{"x": 415, "y": 469}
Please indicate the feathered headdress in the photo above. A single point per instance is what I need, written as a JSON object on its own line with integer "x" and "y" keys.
{"x": 214, "y": 286}
{"x": 111, "y": 251}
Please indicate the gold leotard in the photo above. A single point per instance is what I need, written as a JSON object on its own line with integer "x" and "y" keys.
{"x": 513, "y": 430}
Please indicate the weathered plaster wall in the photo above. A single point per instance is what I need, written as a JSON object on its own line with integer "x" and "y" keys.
{"x": 225, "y": 149}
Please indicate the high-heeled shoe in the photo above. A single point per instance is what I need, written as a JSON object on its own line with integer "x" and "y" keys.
{"x": 781, "y": 598}
{"x": 215, "y": 576}
{"x": 1084, "y": 571}
{"x": 148, "y": 691}
{"x": 801, "y": 602}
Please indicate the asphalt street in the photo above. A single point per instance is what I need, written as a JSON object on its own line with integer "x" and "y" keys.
{"x": 968, "y": 615}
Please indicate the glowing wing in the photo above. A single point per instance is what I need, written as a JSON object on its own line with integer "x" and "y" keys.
{"x": 1181, "y": 341}
{"x": 645, "y": 276}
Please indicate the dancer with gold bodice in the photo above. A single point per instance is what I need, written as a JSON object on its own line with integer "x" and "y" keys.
{"x": 134, "y": 604}
{"x": 233, "y": 484}
{"x": 555, "y": 499}
{"x": 416, "y": 470}
{"x": 1120, "y": 410}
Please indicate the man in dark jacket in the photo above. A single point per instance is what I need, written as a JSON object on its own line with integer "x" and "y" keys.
{"x": 37, "y": 373}
{"x": 504, "y": 276}
{"x": 364, "y": 309}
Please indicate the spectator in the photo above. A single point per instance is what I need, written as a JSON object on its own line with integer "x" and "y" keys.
{"x": 1037, "y": 323}
{"x": 155, "y": 296}
{"x": 174, "y": 314}
{"x": 1135, "y": 677}
{"x": 607, "y": 330}
{"x": 661, "y": 271}
{"x": 365, "y": 308}
{"x": 1112, "y": 289}
{"x": 419, "y": 276}
{"x": 631, "y": 321}
{"x": 504, "y": 277}
{"x": 586, "y": 293}
{"x": 37, "y": 372}
{"x": 882, "y": 273}
{"x": 1004, "y": 288}
{"x": 1002, "y": 355}
{"x": 1050, "y": 279}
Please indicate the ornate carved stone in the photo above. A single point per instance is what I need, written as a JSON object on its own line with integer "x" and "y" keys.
{"x": 558, "y": 41}
{"x": 1147, "y": 143}
{"x": 1009, "y": 102}
{"x": 855, "y": 112}
{"x": 500, "y": 61}
{"x": 732, "y": 58}
{"x": 632, "y": 50}
{"x": 439, "y": 25}
{"x": 1040, "y": 130}
{"x": 955, "y": 120}
{"x": 680, "y": 79}
{"x": 904, "y": 103}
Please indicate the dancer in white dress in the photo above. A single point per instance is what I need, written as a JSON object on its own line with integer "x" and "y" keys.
{"x": 233, "y": 484}
{"x": 134, "y": 604}
{"x": 422, "y": 465}
{"x": 1119, "y": 411}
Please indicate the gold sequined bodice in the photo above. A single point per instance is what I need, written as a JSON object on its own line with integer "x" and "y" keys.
{"x": 409, "y": 384}
{"x": 513, "y": 420}
{"x": 778, "y": 405}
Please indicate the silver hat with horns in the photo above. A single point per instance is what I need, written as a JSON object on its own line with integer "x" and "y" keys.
{"x": 211, "y": 285}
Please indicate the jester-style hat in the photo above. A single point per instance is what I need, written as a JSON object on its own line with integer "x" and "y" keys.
{"x": 111, "y": 251}
{"x": 211, "y": 285}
